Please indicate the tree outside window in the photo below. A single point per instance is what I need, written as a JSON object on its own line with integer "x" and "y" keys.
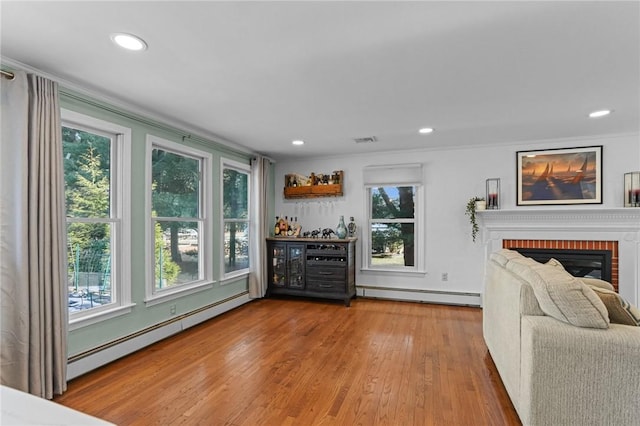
{"x": 88, "y": 190}
{"x": 176, "y": 199}
{"x": 392, "y": 226}
{"x": 235, "y": 212}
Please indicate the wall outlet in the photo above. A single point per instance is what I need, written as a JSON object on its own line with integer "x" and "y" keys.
{"x": 172, "y": 309}
{"x": 445, "y": 276}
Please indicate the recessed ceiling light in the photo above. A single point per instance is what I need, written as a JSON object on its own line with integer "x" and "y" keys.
{"x": 298, "y": 142}
{"x": 601, "y": 113}
{"x": 425, "y": 130}
{"x": 129, "y": 41}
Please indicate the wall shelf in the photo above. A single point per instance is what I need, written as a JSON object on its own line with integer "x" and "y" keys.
{"x": 315, "y": 186}
{"x": 313, "y": 191}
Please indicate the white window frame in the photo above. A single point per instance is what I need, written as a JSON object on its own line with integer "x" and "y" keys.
{"x": 120, "y": 218}
{"x": 419, "y": 235}
{"x": 155, "y": 296}
{"x": 243, "y": 168}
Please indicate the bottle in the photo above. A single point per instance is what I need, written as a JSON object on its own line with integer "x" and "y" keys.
{"x": 351, "y": 227}
{"x": 341, "y": 230}
{"x": 276, "y": 230}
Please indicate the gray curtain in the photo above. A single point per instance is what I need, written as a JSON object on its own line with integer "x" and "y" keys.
{"x": 260, "y": 179}
{"x": 33, "y": 264}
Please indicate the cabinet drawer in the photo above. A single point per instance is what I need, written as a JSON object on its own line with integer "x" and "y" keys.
{"x": 325, "y": 273}
{"x": 322, "y": 285}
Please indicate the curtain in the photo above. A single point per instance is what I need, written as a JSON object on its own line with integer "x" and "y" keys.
{"x": 33, "y": 277}
{"x": 260, "y": 179}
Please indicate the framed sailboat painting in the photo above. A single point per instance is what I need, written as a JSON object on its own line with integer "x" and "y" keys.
{"x": 559, "y": 176}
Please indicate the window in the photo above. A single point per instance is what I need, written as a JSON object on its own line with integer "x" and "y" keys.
{"x": 394, "y": 205}
{"x": 96, "y": 183}
{"x": 178, "y": 208}
{"x": 235, "y": 217}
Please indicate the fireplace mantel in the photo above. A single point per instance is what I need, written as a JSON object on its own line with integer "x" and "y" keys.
{"x": 622, "y": 219}
{"x": 612, "y": 224}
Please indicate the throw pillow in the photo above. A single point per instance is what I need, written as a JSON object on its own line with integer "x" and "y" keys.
{"x": 620, "y": 311}
{"x": 554, "y": 262}
{"x": 564, "y": 297}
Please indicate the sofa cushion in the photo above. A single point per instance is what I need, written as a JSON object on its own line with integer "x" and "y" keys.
{"x": 620, "y": 311}
{"x": 561, "y": 295}
{"x": 503, "y": 256}
{"x": 595, "y": 282}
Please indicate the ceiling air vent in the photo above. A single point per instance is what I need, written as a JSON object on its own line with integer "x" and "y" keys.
{"x": 368, "y": 139}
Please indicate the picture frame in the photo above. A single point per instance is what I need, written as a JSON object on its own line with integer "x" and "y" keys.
{"x": 559, "y": 176}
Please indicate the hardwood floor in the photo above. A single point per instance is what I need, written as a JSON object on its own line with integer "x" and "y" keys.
{"x": 300, "y": 362}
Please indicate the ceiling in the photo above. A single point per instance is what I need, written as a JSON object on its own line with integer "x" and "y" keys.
{"x": 261, "y": 74}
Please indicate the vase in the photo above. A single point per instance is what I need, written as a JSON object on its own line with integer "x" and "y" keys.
{"x": 481, "y": 205}
{"x": 341, "y": 230}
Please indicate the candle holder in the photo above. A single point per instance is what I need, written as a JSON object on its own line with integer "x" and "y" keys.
{"x": 493, "y": 194}
{"x": 632, "y": 189}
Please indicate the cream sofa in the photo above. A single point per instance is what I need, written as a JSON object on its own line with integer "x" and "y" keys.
{"x": 555, "y": 372}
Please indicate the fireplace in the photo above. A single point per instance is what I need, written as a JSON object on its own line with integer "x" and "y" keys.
{"x": 615, "y": 230}
{"x": 596, "y": 259}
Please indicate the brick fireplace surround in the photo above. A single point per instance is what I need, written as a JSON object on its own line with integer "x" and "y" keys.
{"x": 616, "y": 229}
{"x": 611, "y": 246}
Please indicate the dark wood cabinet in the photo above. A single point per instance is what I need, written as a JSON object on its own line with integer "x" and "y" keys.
{"x": 323, "y": 268}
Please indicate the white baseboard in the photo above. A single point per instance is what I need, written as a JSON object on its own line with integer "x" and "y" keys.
{"x": 108, "y": 353}
{"x": 427, "y": 296}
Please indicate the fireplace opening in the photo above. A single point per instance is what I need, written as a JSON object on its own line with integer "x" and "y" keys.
{"x": 579, "y": 263}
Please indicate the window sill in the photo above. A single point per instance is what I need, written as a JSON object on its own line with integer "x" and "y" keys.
{"x": 177, "y": 293}
{"x": 403, "y": 272}
{"x": 231, "y": 278}
{"x": 86, "y": 320}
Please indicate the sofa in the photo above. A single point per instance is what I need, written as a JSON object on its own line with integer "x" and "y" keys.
{"x": 563, "y": 353}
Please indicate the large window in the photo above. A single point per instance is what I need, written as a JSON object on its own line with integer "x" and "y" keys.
{"x": 235, "y": 217}
{"x": 96, "y": 185}
{"x": 178, "y": 212}
{"x": 394, "y": 204}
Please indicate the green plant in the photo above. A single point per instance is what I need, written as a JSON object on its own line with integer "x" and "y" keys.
{"x": 471, "y": 212}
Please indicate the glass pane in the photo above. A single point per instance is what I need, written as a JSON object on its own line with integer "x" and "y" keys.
{"x": 235, "y": 194}
{"x": 89, "y": 265}
{"x": 176, "y": 184}
{"x": 236, "y": 246}
{"x": 392, "y": 202}
{"x": 177, "y": 245}
{"x": 392, "y": 244}
{"x": 87, "y": 175}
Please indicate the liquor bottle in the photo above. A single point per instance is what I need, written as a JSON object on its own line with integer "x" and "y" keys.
{"x": 276, "y": 230}
{"x": 284, "y": 224}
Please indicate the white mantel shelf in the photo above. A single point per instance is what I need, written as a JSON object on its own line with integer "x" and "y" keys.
{"x": 604, "y": 224}
{"x": 621, "y": 219}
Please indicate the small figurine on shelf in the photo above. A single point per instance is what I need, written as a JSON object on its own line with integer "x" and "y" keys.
{"x": 315, "y": 233}
{"x": 326, "y": 232}
{"x": 351, "y": 227}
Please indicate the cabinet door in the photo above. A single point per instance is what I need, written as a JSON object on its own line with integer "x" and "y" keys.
{"x": 278, "y": 276}
{"x": 296, "y": 265}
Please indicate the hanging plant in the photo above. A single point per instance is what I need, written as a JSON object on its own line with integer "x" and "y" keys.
{"x": 472, "y": 207}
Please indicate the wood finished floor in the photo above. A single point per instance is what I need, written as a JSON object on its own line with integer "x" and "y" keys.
{"x": 301, "y": 362}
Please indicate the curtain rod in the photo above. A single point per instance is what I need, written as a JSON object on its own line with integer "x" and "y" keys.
{"x": 8, "y": 75}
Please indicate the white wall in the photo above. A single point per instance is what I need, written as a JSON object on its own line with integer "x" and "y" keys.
{"x": 451, "y": 177}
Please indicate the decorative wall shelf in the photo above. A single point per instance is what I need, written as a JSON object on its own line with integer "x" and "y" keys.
{"x": 313, "y": 191}
{"x": 314, "y": 186}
